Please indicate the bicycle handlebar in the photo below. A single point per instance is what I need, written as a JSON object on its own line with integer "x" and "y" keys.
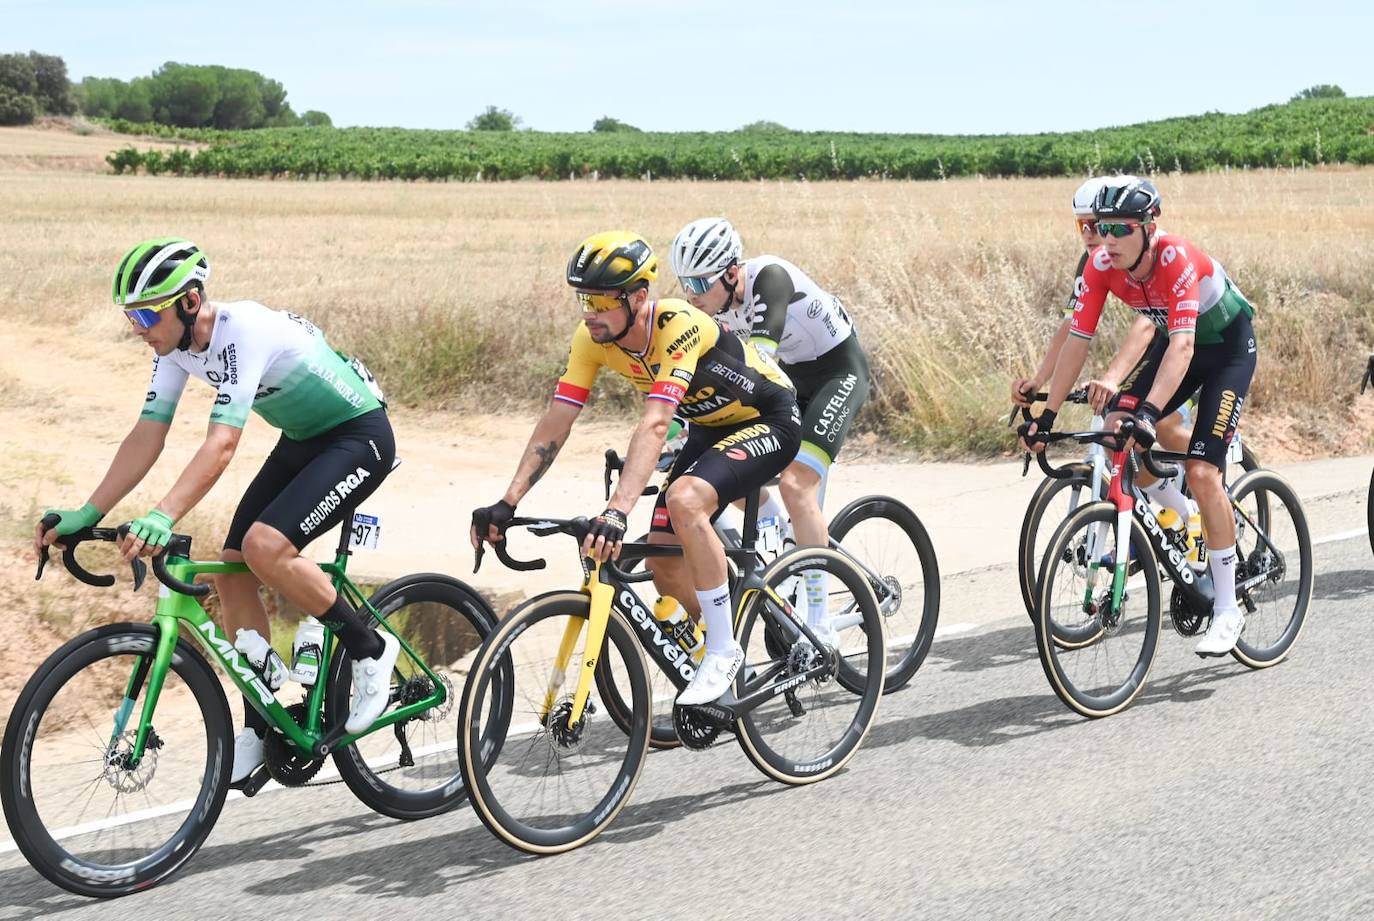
{"x": 137, "y": 566}
{"x": 1113, "y": 441}
{"x": 575, "y": 528}
{"x": 616, "y": 463}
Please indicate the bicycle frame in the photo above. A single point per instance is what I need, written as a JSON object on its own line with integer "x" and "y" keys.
{"x": 607, "y": 592}
{"x": 1130, "y": 501}
{"x": 175, "y": 609}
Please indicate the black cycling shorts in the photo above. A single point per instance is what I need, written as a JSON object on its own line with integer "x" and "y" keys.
{"x": 830, "y": 390}
{"x": 306, "y": 487}
{"x": 736, "y": 460}
{"x": 1220, "y": 374}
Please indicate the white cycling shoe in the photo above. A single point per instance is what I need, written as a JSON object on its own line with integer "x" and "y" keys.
{"x": 713, "y": 678}
{"x": 372, "y": 685}
{"x": 1222, "y": 634}
{"x": 247, "y": 755}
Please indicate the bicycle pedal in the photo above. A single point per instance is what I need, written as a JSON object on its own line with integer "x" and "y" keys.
{"x": 254, "y": 782}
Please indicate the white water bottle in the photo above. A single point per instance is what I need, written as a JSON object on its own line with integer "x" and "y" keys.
{"x": 306, "y": 650}
{"x": 261, "y": 656}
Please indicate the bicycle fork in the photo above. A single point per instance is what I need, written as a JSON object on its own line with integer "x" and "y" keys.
{"x": 600, "y": 593}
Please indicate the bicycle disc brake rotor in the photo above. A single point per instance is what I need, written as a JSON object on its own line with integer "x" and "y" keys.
{"x": 891, "y": 595}
{"x": 1187, "y": 620}
{"x": 563, "y": 738}
{"x": 285, "y": 762}
{"x": 117, "y": 772}
{"x": 420, "y": 687}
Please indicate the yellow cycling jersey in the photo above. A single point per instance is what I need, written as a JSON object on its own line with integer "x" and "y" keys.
{"x": 711, "y": 377}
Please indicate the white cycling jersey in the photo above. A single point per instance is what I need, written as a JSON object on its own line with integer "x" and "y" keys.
{"x": 787, "y": 313}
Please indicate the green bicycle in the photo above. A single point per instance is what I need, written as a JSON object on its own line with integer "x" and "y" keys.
{"x": 117, "y": 755}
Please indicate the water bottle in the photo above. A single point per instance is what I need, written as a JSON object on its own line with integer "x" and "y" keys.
{"x": 305, "y": 651}
{"x": 690, "y": 635}
{"x": 261, "y": 656}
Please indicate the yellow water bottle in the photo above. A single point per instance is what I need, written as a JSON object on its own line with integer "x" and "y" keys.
{"x": 690, "y": 634}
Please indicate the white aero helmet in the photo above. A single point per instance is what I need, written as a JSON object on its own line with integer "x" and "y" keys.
{"x": 704, "y": 248}
{"x": 1085, "y": 196}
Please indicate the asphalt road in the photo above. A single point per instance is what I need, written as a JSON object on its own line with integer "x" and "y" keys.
{"x": 1220, "y": 793}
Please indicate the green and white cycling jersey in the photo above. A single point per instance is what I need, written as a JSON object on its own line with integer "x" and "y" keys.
{"x": 269, "y": 361}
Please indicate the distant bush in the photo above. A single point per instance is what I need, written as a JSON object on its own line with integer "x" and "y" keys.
{"x": 1320, "y": 91}
{"x": 606, "y": 124}
{"x": 494, "y": 119}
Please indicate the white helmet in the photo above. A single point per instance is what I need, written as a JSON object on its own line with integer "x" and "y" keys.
{"x": 1085, "y": 196}
{"x": 704, "y": 248}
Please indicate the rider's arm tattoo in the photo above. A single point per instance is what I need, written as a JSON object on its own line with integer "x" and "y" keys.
{"x": 546, "y": 455}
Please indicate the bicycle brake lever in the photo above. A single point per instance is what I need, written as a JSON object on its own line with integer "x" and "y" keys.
{"x": 1025, "y": 463}
{"x": 49, "y": 522}
{"x": 478, "y": 554}
{"x": 140, "y": 569}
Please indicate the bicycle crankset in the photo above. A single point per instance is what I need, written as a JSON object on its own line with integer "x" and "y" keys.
{"x": 1187, "y": 619}
{"x": 287, "y": 764}
{"x": 694, "y": 728}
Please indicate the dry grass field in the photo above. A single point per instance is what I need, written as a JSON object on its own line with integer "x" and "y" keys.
{"x": 454, "y": 293}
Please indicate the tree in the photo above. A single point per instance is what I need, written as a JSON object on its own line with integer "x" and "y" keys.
{"x": 16, "y": 108}
{"x": 16, "y": 72}
{"x": 765, "y": 127}
{"x": 240, "y": 100}
{"x": 605, "y": 123}
{"x": 494, "y": 119}
{"x": 136, "y": 103}
{"x": 54, "y": 90}
{"x": 99, "y": 97}
{"x": 184, "y": 96}
{"x": 1320, "y": 91}
{"x": 313, "y": 118}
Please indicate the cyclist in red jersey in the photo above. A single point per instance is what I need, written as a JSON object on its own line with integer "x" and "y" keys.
{"x": 1121, "y": 371}
{"x": 1210, "y": 343}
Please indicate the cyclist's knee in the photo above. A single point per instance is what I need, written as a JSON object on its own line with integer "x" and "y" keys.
{"x": 1203, "y": 477}
{"x": 798, "y": 484}
{"x": 689, "y": 499}
{"x": 264, "y": 545}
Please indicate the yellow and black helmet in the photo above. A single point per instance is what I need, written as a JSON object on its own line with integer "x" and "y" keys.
{"x": 616, "y": 260}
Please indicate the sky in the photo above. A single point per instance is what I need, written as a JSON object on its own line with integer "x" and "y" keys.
{"x": 973, "y": 67}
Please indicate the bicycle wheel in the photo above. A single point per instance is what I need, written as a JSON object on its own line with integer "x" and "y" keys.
{"x": 548, "y": 786}
{"x": 1277, "y": 559}
{"x": 85, "y": 818}
{"x": 810, "y": 730}
{"x": 888, "y": 543}
{"x": 1103, "y": 676}
{"x": 1369, "y": 501}
{"x": 409, "y": 770}
{"x": 1052, "y": 502}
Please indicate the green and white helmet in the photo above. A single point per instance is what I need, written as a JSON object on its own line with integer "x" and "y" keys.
{"x": 157, "y": 269}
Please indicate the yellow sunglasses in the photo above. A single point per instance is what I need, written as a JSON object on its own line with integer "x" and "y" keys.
{"x": 600, "y": 303}
{"x": 148, "y": 316}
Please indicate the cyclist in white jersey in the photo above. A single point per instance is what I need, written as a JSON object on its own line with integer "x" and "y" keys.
{"x": 785, "y": 314}
{"x": 335, "y": 449}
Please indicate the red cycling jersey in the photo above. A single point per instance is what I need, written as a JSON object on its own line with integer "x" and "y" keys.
{"x": 1186, "y": 292}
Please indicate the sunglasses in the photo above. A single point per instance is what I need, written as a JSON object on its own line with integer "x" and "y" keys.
{"x": 704, "y": 284}
{"x": 1115, "y": 229}
{"x": 146, "y": 317}
{"x": 1086, "y": 223}
{"x": 600, "y": 303}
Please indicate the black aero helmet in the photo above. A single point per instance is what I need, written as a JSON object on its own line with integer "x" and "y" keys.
{"x": 1128, "y": 198}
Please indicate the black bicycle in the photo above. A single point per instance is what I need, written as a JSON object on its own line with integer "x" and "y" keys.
{"x": 561, "y": 766}
{"x": 1369, "y": 499}
{"x": 883, "y": 537}
{"x": 1101, "y": 580}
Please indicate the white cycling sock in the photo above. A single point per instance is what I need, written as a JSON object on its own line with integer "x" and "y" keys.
{"x": 715, "y": 611}
{"x": 1170, "y": 496}
{"x": 817, "y": 597}
{"x": 1222, "y": 560}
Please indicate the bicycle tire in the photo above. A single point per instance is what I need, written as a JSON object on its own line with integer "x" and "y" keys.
{"x": 1061, "y": 552}
{"x": 903, "y": 661}
{"x": 415, "y": 594}
{"x": 36, "y": 841}
{"x": 496, "y": 663}
{"x": 751, "y": 728}
{"x": 1027, "y": 560}
{"x": 1274, "y": 486}
{"x": 1369, "y": 501}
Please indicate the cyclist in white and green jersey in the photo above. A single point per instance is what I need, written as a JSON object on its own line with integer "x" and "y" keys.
{"x": 336, "y": 447}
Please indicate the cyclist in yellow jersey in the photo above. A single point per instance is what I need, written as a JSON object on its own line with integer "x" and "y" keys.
{"x": 745, "y": 430}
